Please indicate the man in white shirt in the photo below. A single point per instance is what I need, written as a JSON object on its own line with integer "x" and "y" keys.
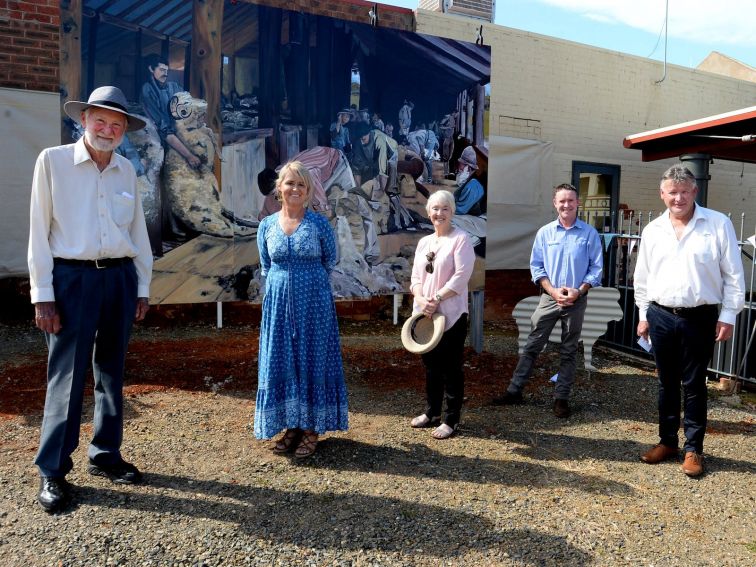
{"x": 688, "y": 265}
{"x": 90, "y": 266}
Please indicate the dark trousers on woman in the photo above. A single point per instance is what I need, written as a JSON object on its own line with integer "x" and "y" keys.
{"x": 97, "y": 309}
{"x": 683, "y": 344}
{"x": 443, "y": 374}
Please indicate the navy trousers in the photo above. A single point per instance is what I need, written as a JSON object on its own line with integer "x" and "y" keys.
{"x": 683, "y": 346}
{"x": 444, "y": 375}
{"x": 97, "y": 308}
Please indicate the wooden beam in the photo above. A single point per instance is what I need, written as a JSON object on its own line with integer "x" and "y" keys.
{"x": 70, "y": 57}
{"x": 205, "y": 74}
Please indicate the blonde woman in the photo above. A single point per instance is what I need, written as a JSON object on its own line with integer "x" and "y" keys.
{"x": 300, "y": 378}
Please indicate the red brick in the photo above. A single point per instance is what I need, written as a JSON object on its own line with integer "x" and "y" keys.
{"x": 23, "y": 42}
{"x": 25, "y": 60}
{"x": 49, "y": 10}
{"x": 37, "y": 34}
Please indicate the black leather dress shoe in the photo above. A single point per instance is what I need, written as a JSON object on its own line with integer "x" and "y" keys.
{"x": 120, "y": 473}
{"x": 54, "y": 493}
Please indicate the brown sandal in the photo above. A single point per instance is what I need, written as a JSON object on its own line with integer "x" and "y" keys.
{"x": 307, "y": 445}
{"x": 288, "y": 441}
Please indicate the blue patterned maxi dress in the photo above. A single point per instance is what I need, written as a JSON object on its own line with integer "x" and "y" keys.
{"x": 300, "y": 374}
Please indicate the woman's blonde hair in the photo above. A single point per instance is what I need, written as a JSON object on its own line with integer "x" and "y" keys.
{"x": 297, "y": 168}
{"x": 441, "y": 196}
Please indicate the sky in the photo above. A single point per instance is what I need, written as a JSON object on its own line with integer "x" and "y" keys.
{"x": 696, "y": 27}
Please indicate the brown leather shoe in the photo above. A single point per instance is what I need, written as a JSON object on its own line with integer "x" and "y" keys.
{"x": 693, "y": 464}
{"x": 562, "y": 409}
{"x": 659, "y": 453}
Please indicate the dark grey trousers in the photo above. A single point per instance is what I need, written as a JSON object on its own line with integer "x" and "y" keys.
{"x": 97, "y": 309}
{"x": 545, "y": 317}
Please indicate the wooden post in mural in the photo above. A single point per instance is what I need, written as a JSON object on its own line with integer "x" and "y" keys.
{"x": 70, "y": 58}
{"x": 480, "y": 113}
{"x": 205, "y": 74}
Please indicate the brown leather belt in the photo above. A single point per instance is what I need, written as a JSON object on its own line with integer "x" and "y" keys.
{"x": 99, "y": 264}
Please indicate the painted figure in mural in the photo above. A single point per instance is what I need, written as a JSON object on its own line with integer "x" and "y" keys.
{"x": 374, "y": 155}
{"x": 469, "y": 193}
{"x": 340, "y": 139}
{"x": 405, "y": 118}
{"x": 688, "y": 266}
{"x": 443, "y": 265}
{"x": 566, "y": 261}
{"x": 377, "y": 123}
{"x": 90, "y": 267}
{"x": 155, "y": 97}
{"x": 301, "y": 378}
{"x": 389, "y": 130}
{"x": 192, "y": 192}
{"x": 327, "y": 166}
{"x": 424, "y": 143}
{"x": 446, "y": 135}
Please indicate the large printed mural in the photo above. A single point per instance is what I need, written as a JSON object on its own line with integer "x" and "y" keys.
{"x": 382, "y": 119}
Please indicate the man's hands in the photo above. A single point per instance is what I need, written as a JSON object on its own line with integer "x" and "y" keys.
{"x": 142, "y": 306}
{"x": 46, "y": 317}
{"x": 723, "y": 331}
{"x": 565, "y": 296}
{"x": 642, "y": 329}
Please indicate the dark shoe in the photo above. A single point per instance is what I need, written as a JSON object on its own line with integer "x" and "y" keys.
{"x": 54, "y": 493}
{"x": 508, "y": 399}
{"x": 288, "y": 441}
{"x": 562, "y": 409}
{"x": 307, "y": 445}
{"x": 659, "y": 453}
{"x": 693, "y": 464}
{"x": 120, "y": 473}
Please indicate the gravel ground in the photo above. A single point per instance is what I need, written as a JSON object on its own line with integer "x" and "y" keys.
{"x": 517, "y": 486}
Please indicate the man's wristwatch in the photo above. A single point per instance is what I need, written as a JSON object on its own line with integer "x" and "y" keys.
{"x": 438, "y": 297}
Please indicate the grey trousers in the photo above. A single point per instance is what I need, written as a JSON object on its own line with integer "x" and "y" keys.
{"x": 97, "y": 309}
{"x": 545, "y": 317}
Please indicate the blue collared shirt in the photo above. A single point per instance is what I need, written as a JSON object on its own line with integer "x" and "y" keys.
{"x": 568, "y": 257}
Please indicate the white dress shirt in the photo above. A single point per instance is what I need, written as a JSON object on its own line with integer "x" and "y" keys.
{"x": 82, "y": 213}
{"x": 703, "y": 267}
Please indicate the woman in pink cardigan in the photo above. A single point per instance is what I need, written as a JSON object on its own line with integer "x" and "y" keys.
{"x": 441, "y": 271}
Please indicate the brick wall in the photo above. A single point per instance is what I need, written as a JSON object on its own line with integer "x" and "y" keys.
{"x": 29, "y": 54}
{"x": 350, "y": 10}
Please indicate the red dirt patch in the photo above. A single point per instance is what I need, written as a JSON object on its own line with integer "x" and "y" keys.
{"x": 230, "y": 358}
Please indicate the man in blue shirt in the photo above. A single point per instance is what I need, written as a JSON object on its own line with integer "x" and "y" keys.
{"x": 566, "y": 262}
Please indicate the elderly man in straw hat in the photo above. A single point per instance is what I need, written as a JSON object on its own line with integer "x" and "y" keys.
{"x": 90, "y": 266}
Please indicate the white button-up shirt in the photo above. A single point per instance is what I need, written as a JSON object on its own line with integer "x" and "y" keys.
{"x": 703, "y": 267}
{"x": 82, "y": 213}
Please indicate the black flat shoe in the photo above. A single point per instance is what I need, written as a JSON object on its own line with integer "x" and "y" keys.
{"x": 54, "y": 494}
{"x": 120, "y": 473}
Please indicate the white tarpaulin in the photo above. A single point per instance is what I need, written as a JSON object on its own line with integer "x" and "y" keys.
{"x": 29, "y": 122}
{"x": 520, "y": 183}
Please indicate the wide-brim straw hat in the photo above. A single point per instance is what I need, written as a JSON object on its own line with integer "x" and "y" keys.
{"x": 421, "y": 334}
{"x": 109, "y": 98}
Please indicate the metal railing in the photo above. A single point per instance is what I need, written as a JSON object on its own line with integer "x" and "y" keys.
{"x": 621, "y": 234}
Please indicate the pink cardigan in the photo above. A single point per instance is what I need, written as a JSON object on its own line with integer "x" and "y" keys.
{"x": 453, "y": 267}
